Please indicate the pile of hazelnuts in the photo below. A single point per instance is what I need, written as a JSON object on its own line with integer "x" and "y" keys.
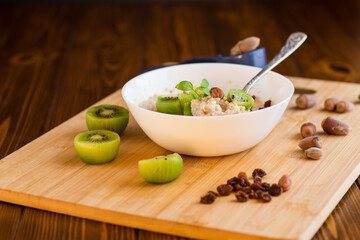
{"x": 311, "y": 144}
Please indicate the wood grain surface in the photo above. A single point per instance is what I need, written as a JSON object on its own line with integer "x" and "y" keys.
{"x": 56, "y": 60}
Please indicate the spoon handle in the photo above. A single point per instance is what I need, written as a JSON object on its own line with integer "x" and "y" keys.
{"x": 294, "y": 41}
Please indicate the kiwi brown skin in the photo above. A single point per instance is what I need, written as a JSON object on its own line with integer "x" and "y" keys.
{"x": 109, "y": 117}
{"x": 97, "y": 147}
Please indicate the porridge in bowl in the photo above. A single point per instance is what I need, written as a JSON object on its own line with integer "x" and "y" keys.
{"x": 202, "y": 101}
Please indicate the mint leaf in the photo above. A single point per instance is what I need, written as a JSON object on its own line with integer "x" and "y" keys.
{"x": 185, "y": 86}
{"x": 199, "y": 92}
{"x": 204, "y": 83}
{"x": 205, "y": 90}
{"x": 194, "y": 95}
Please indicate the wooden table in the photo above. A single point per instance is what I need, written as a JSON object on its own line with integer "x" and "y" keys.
{"x": 56, "y": 60}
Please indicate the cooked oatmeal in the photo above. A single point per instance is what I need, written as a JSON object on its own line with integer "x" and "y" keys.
{"x": 150, "y": 103}
{"x": 209, "y": 106}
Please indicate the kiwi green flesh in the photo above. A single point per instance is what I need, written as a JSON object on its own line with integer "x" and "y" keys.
{"x": 106, "y": 112}
{"x": 108, "y": 117}
{"x": 240, "y": 98}
{"x": 185, "y": 102}
{"x": 97, "y": 147}
{"x": 161, "y": 169}
{"x": 169, "y": 105}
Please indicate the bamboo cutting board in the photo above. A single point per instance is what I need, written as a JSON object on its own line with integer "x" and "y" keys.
{"x": 47, "y": 174}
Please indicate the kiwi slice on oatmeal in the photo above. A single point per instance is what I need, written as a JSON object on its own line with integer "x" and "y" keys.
{"x": 185, "y": 102}
{"x": 240, "y": 98}
{"x": 109, "y": 117}
{"x": 169, "y": 105}
{"x": 97, "y": 147}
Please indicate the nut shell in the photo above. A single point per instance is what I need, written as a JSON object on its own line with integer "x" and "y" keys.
{"x": 216, "y": 92}
{"x": 305, "y": 101}
{"x": 330, "y": 104}
{"x": 308, "y": 129}
{"x": 245, "y": 45}
{"x": 335, "y": 126}
{"x": 313, "y": 153}
{"x": 344, "y": 106}
{"x": 309, "y": 142}
{"x": 285, "y": 182}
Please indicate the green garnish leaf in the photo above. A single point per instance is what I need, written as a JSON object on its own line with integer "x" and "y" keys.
{"x": 205, "y": 90}
{"x": 204, "y": 83}
{"x": 194, "y": 95}
{"x": 185, "y": 86}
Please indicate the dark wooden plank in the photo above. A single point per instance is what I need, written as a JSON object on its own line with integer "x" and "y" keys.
{"x": 344, "y": 221}
{"x": 323, "y": 55}
{"x": 28, "y": 67}
{"x": 10, "y": 217}
{"x": 146, "y": 235}
{"x": 38, "y": 224}
{"x": 101, "y": 55}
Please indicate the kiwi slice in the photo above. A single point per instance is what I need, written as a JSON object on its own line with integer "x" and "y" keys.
{"x": 161, "y": 169}
{"x": 185, "y": 102}
{"x": 240, "y": 98}
{"x": 169, "y": 105}
{"x": 98, "y": 146}
{"x": 109, "y": 117}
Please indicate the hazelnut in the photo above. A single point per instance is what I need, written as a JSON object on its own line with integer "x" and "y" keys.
{"x": 335, "y": 126}
{"x": 216, "y": 92}
{"x": 305, "y": 101}
{"x": 313, "y": 153}
{"x": 308, "y": 129}
{"x": 309, "y": 142}
{"x": 245, "y": 45}
{"x": 330, "y": 103}
{"x": 285, "y": 182}
{"x": 344, "y": 106}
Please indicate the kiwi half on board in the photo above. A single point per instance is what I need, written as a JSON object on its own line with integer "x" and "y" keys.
{"x": 161, "y": 169}
{"x": 97, "y": 147}
{"x": 109, "y": 117}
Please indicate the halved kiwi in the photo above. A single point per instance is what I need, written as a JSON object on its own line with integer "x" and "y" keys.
{"x": 161, "y": 169}
{"x": 109, "y": 117}
{"x": 97, "y": 147}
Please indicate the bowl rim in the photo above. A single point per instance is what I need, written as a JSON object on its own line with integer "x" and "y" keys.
{"x": 127, "y": 101}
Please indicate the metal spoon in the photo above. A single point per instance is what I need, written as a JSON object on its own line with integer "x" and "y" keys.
{"x": 294, "y": 41}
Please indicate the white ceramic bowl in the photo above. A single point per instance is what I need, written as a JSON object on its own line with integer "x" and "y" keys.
{"x": 207, "y": 136}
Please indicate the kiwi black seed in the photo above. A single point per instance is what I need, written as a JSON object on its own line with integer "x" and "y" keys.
{"x": 98, "y": 146}
{"x": 108, "y": 117}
